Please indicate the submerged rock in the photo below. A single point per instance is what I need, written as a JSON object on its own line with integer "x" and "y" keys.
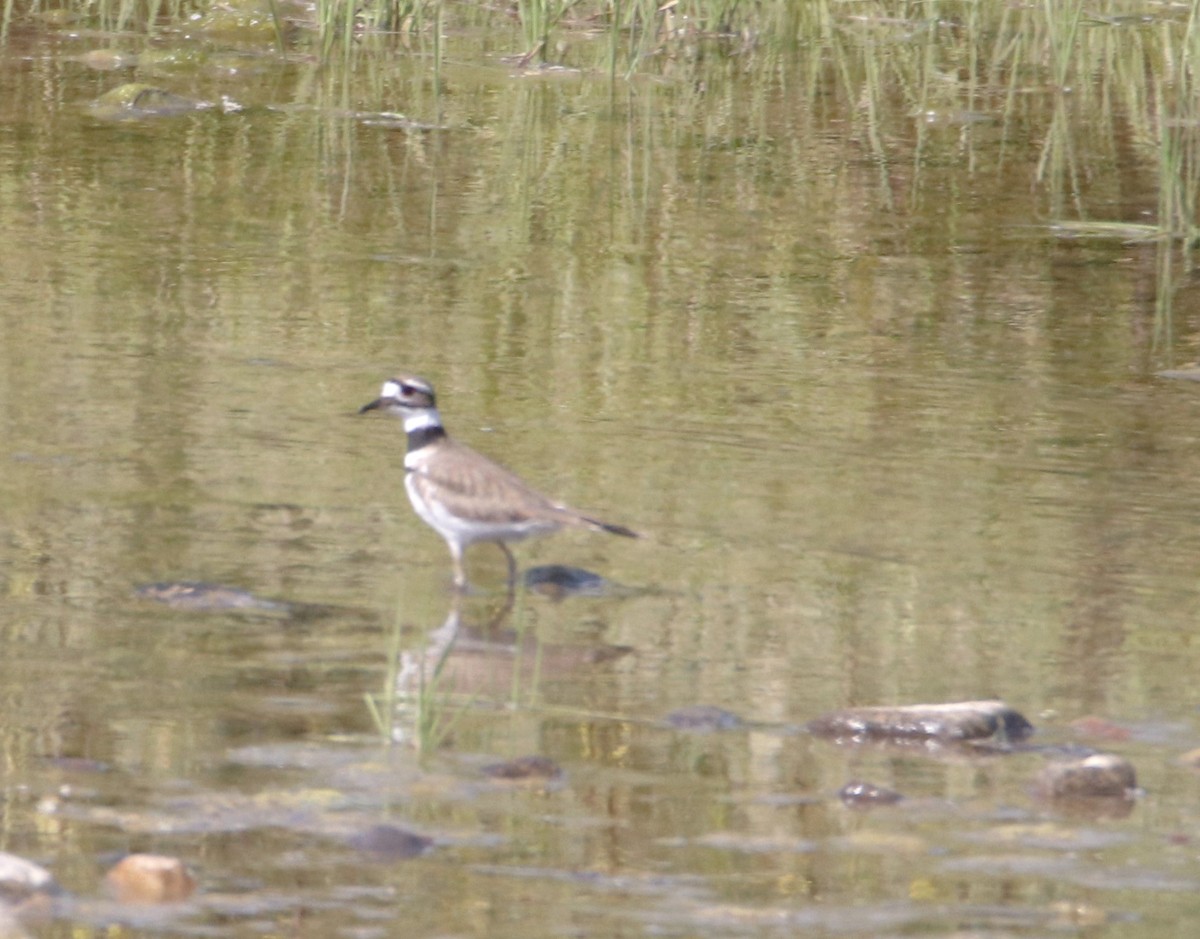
{"x": 1180, "y": 374}
{"x": 134, "y": 101}
{"x": 22, "y": 881}
{"x": 107, "y": 60}
{"x": 200, "y": 596}
{"x": 1098, "y": 776}
{"x": 243, "y": 21}
{"x": 524, "y": 768}
{"x": 389, "y": 843}
{"x": 559, "y": 580}
{"x": 703, "y": 717}
{"x": 150, "y": 878}
{"x": 172, "y": 58}
{"x": 1099, "y": 728}
{"x": 956, "y": 722}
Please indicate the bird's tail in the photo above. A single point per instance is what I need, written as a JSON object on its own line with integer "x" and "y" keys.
{"x": 611, "y": 529}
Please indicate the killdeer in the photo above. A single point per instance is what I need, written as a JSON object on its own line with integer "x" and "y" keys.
{"x": 463, "y": 495}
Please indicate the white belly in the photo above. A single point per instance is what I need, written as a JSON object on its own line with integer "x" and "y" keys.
{"x": 464, "y": 531}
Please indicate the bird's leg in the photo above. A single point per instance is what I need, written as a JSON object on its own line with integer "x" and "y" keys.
{"x": 501, "y": 614}
{"x": 512, "y": 567}
{"x": 460, "y": 572}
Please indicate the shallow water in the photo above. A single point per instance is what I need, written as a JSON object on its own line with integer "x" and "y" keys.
{"x": 890, "y": 439}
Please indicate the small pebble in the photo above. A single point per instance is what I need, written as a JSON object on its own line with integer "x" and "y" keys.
{"x": 862, "y": 795}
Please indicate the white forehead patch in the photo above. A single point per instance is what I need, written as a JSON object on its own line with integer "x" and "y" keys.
{"x": 391, "y": 389}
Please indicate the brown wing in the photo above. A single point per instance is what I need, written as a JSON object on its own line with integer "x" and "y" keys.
{"x": 470, "y": 484}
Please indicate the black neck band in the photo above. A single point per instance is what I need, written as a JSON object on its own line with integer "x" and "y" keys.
{"x": 424, "y": 435}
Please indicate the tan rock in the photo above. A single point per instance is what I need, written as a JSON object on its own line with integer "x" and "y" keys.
{"x": 151, "y": 878}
